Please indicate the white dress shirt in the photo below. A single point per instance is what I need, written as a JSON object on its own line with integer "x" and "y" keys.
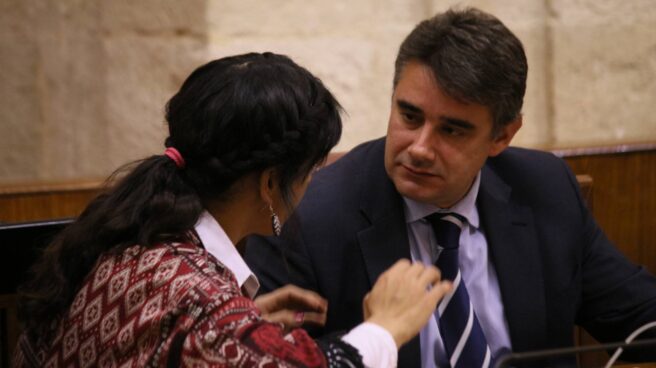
{"x": 374, "y": 343}
{"x": 476, "y": 268}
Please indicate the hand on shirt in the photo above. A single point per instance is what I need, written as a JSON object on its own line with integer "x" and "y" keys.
{"x": 403, "y": 299}
{"x": 283, "y": 306}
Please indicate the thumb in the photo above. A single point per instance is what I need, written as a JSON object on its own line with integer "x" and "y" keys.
{"x": 439, "y": 291}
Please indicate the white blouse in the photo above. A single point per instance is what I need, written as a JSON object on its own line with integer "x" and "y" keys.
{"x": 374, "y": 343}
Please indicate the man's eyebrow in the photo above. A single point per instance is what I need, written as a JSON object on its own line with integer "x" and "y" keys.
{"x": 405, "y": 105}
{"x": 463, "y": 124}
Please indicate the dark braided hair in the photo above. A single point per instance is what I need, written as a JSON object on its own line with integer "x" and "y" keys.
{"x": 232, "y": 117}
{"x": 264, "y": 111}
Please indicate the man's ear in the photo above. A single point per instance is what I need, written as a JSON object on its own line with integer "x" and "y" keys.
{"x": 266, "y": 184}
{"x": 502, "y": 140}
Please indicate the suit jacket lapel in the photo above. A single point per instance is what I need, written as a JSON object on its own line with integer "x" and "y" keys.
{"x": 514, "y": 250}
{"x": 386, "y": 240}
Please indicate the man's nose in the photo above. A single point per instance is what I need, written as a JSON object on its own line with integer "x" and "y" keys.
{"x": 422, "y": 147}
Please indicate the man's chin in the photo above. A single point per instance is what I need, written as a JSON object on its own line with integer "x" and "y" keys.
{"x": 415, "y": 192}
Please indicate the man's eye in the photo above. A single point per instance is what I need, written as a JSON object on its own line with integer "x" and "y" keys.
{"x": 451, "y": 131}
{"x": 410, "y": 117}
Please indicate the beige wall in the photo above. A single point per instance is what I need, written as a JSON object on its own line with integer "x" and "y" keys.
{"x": 85, "y": 81}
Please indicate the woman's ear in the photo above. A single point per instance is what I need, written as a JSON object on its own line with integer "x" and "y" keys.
{"x": 267, "y": 178}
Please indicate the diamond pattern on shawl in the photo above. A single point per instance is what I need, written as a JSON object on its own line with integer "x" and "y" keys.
{"x": 135, "y": 297}
{"x": 79, "y": 303}
{"x": 165, "y": 272}
{"x": 92, "y": 313}
{"x": 117, "y": 285}
{"x": 109, "y": 325}
{"x": 149, "y": 259}
{"x": 87, "y": 353}
{"x": 102, "y": 274}
{"x": 71, "y": 342}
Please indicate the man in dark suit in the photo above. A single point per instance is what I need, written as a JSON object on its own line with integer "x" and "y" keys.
{"x": 531, "y": 258}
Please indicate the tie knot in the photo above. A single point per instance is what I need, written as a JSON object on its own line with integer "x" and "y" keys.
{"x": 447, "y": 228}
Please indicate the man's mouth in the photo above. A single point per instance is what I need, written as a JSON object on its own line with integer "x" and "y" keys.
{"x": 417, "y": 171}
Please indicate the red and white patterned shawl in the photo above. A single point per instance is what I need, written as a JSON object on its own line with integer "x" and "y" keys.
{"x": 172, "y": 304}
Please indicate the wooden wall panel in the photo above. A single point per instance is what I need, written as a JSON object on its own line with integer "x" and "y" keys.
{"x": 623, "y": 201}
{"x": 624, "y": 198}
{"x": 43, "y": 201}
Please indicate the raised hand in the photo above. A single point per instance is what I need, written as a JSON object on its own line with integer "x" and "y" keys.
{"x": 403, "y": 299}
{"x": 293, "y": 307}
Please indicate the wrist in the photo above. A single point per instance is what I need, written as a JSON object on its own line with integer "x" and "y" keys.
{"x": 391, "y": 328}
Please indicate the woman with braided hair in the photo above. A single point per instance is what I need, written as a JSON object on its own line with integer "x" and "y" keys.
{"x": 150, "y": 274}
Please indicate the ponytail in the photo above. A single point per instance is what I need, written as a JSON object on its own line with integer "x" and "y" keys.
{"x": 150, "y": 204}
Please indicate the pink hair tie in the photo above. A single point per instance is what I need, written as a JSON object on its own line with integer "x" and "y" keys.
{"x": 175, "y": 155}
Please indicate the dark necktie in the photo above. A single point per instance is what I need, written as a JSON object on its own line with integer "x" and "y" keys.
{"x": 464, "y": 340}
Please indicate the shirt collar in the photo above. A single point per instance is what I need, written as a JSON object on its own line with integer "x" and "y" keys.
{"x": 217, "y": 243}
{"x": 466, "y": 207}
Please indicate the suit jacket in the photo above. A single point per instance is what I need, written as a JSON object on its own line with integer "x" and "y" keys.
{"x": 555, "y": 266}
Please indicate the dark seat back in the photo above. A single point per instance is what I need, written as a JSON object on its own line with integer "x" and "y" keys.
{"x": 20, "y": 246}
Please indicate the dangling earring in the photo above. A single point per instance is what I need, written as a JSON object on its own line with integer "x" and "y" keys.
{"x": 275, "y": 222}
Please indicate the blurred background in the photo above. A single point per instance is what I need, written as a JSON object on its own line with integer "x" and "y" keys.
{"x": 84, "y": 82}
{"x": 83, "y": 85}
